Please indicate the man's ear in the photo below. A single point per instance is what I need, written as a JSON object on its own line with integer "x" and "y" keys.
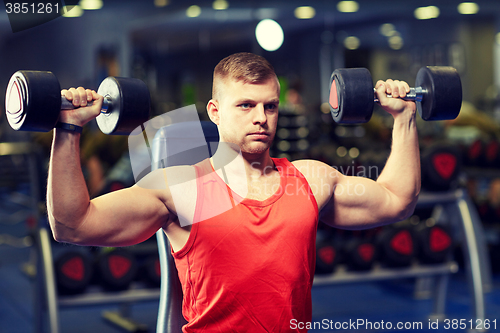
{"x": 213, "y": 111}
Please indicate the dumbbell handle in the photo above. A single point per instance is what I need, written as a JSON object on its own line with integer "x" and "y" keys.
{"x": 415, "y": 94}
{"x": 68, "y": 105}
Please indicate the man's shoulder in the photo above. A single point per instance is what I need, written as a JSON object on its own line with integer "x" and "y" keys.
{"x": 313, "y": 167}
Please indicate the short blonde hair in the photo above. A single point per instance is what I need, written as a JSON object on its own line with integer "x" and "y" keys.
{"x": 244, "y": 66}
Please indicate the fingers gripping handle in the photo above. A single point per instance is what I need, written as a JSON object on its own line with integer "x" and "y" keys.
{"x": 415, "y": 94}
{"x": 68, "y": 105}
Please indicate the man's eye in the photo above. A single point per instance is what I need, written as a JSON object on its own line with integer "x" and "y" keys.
{"x": 271, "y": 107}
{"x": 245, "y": 105}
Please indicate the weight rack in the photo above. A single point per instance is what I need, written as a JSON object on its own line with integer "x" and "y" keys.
{"x": 454, "y": 207}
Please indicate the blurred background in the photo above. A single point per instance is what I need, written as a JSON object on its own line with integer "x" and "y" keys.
{"x": 174, "y": 45}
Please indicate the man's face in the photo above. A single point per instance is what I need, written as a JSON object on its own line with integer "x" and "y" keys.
{"x": 247, "y": 114}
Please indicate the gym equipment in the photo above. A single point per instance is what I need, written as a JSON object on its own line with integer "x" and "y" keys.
{"x": 434, "y": 242}
{"x": 116, "y": 269}
{"x": 150, "y": 271}
{"x": 397, "y": 246}
{"x": 441, "y": 167}
{"x": 33, "y": 102}
{"x": 73, "y": 271}
{"x": 327, "y": 256}
{"x": 492, "y": 154}
{"x": 475, "y": 153}
{"x": 360, "y": 252}
{"x": 438, "y": 94}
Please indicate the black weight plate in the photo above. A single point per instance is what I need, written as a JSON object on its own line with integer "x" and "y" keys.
{"x": 327, "y": 257}
{"x": 73, "y": 272}
{"x": 443, "y": 99}
{"x": 441, "y": 165}
{"x": 152, "y": 271}
{"x": 397, "y": 246}
{"x": 130, "y": 105}
{"x": 351, "y": 95}
{"x": 33, "y": 101}
{"x": 117, "y": 269}
{"x": 360, "y": 254}
{"x": 436, "y": 244}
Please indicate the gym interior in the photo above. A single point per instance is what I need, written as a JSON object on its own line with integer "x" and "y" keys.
{"x": 436, "y": 271}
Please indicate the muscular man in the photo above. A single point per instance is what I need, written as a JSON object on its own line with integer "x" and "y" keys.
{"x": 250, "y": 268}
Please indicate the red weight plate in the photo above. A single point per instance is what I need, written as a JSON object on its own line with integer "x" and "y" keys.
{"x": 444, "y": 164}
{"x": 366, "y": 251}
{"x": 327, "y": 254}
{"x": 439, "y": 240}
{"x": 118, "y": 265}
{"x": 74, "y": 269}
{"x": 402, "y": 242}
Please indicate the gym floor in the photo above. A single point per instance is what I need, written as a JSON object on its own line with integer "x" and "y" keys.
{"x": 376, "y": 302}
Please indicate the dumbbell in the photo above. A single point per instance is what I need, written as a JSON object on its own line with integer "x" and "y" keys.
{"x": 33, "y": 102}
{"x": 360, "y": 252}
{"x": 435, "y": 243}
{"x": 328, "y": 251}
{"x": 73, "y": 272}
{"x": 441, "y": 167}
{"x": 397, "y": 246}
{"x": 438, "y": 94}
{"x": 116, "y": 268}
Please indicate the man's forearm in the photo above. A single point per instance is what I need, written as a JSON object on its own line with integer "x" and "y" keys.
{"x": 67, "y": 194}
{"x": 401, "y": 174}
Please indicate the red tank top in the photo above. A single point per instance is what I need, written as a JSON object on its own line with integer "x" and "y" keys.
{"x": 251, "y": 268}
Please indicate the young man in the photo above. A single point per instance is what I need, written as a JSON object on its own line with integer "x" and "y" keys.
{"x": 251, "y": 267}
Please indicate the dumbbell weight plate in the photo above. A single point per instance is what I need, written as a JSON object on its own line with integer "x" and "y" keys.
{"x": 443, "y": 99}
{"x": 73, "y": 272}
{"x": 129, "y": 107}
{"x": 33, "y": 101}
{"x": 116, "y": 269}
{"x": 351, "y": 95}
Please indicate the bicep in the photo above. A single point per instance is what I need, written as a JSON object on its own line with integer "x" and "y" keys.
{"x": 125, "y": 217}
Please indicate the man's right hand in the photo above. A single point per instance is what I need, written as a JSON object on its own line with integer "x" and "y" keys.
{"x": 80, "y": 97}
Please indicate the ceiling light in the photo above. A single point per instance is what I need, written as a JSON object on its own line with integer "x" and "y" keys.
{"x": 468, "y": 8}
{"x": 72, "y": 11}
{"x": 347, "y": 6}
{"x": 269, "y": 35}
{"x": 161, "y": 3}
{"x": 395, "y": 42}
{"x": 90, "y": 4}
{"x": 220, "y": 5}
{"x": 426, "y": 13}
{"x": 193, "y": 11}
{"x": 351, "y": 43}
{"x": 387, "y": 29}
{"x": 305, "y": 12}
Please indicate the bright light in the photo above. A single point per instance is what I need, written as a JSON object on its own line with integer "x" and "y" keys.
{"x": 468, "y": 8}
{"x": 353, "y": 152}
{"x": 426, "y": 13}
{"x": 396, "y": 42}
{"x": 341, "y": 151}
{"x": 387, "y": 29}
{"x": 347, "y": 6}
{"x": 269, "y": 35}
{"x": 193, "y": 11}
{"x": 351, "y": 43}
{"x": 220, "y": 5}
{"x": 90, "y": 4}
{"x": 72, "y": 11}
{"x": 161, "y": 3}
{"x": 305, "y": 12}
